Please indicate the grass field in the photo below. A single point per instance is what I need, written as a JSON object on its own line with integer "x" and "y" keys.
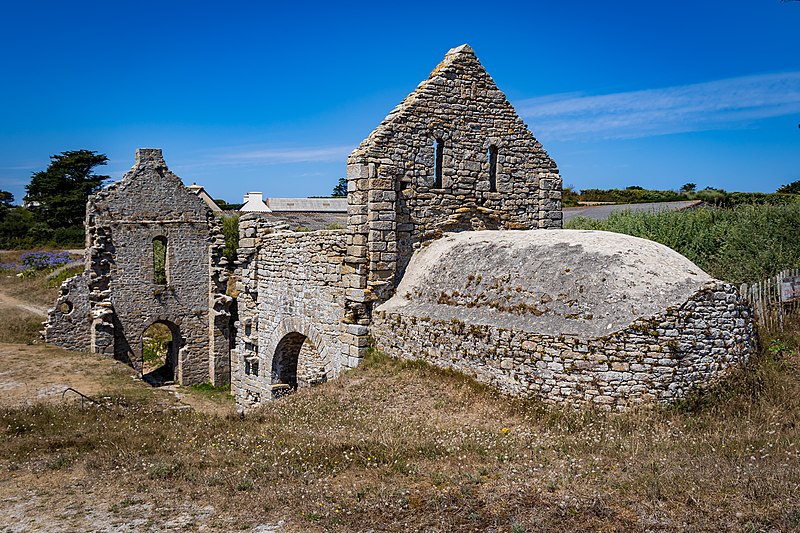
{"x": 390, "y": 446}
{"x": 744, "y": 244}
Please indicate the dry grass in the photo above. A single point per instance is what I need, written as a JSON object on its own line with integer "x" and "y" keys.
{"x": 36, "y": 290}
{"x": 19, "y": 326}
{"x": 402, "y": 446}
{"x": 397, "y": 446}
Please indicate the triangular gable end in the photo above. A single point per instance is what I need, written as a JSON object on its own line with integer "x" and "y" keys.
{"x": 458, "y": 80}
{"x": 149, "y": 191}
{"x": 453, "y": 156}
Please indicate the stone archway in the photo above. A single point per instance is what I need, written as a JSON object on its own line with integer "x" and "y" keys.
{"x": 299, "y": 357}
{"x": 159, "y": 349}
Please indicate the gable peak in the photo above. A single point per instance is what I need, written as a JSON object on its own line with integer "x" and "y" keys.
{"x": 463, "y": 49}
{"x": 149, "y": 157}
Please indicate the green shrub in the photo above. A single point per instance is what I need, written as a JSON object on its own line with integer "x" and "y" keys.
{"x": 569, "y": 198}
{"x": 741, "y": 244}
{"x": 631, "y": 195}
{"x": 19, "y": 231}
{"x": 230, "y": 228}
{"x": 709, "y": 195}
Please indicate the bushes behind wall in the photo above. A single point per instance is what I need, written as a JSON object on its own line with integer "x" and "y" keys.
{"x": 741, "y": 244}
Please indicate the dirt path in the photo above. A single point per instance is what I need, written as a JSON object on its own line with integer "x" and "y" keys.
{"x": 8, "y": 301}
{"x": 22, "y": 381}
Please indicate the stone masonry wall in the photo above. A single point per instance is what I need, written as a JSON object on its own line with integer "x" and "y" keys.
{"x": 68, "y": 324}
{"x": 291, "y": 306}
{"x": 394, "y": 200}
{"x": 118, "y": 285}
{"x": 655, "y": 359}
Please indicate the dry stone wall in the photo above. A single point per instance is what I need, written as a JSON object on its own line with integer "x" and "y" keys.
{"x": 68, "y": 323}
{"x": 291, "y": 304}
{"x": 656, "y": 359}
{"x": 118, "y": 296}
{"x": 582, "y": 317}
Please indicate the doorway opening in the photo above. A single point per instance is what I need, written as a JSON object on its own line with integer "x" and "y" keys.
{"x": 160, "y": 343}
{"x": 296, "y": 363}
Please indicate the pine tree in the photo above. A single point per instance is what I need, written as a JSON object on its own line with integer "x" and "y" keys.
{"x": 57, "y": 196}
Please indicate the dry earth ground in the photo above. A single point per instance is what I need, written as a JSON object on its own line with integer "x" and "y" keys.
{"x": 388, "y": 447}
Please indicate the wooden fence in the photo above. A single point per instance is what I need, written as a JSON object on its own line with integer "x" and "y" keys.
{"x": 775, "y": 298}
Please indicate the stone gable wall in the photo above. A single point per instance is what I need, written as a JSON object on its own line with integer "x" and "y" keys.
{"x": 117, "y": 295}
{"x": 655, "y": 359}
{"x": 393, "y": 204}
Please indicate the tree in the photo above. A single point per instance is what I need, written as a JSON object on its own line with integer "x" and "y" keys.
{"x": 791, "y": 188}
{"x": 6, "y": 199}
{"x": 340, "y": 190}
{"x": 57, "y": 196}
{"x": 225, "y": 206}
{"x": 569, "y": 196}
{"x": 688, "y": 187}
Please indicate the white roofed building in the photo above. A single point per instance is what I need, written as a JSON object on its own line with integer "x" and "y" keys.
{"x": 253, "y": 203}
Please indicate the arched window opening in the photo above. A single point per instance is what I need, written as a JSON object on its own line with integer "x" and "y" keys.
{"x": 493, "y": 168}
{"x": 438, "y": 151}
{"x": 160, "y": 260}
{"x": 159, "y": 354}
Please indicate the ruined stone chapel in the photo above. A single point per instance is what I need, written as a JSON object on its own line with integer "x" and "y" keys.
{"x": 443, "y": 258}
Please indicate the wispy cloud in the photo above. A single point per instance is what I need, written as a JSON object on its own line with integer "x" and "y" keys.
{"x": 722, "y": 104}
{"x": 28, "y": 166}
{"x": 9, "y": 181}
{"x": 288, "y": 155}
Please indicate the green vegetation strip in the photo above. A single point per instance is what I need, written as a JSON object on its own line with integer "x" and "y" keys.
{"x": 742, "y": 244}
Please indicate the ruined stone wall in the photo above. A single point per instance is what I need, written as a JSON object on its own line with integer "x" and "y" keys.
{"x": 123, "y": 297}
{"x": 291, "y": 306}
{"x": 395, "y": 200}
{"x": 68, "y": 322}
{"x": 656, "y": 359}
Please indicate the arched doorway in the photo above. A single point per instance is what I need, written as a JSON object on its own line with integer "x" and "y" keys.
{"x": 296, "y": 363}
{"x": 160, "y": 345}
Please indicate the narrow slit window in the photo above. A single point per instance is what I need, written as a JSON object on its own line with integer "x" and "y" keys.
{"x": 492, "y": 168}
{"x": 160, "y": 260}
{"x": 438, "y": 149}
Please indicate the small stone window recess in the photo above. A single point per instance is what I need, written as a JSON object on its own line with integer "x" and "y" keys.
{"x": 65, "y": 307}
{"x": 492, "y": 168}
{"x": 160, "y": 260}
{"x": 438, "y": 153}
{"x": 251, "y": 366}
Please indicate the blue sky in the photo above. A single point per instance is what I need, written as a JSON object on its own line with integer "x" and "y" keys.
{"x": 250, "y": 96}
